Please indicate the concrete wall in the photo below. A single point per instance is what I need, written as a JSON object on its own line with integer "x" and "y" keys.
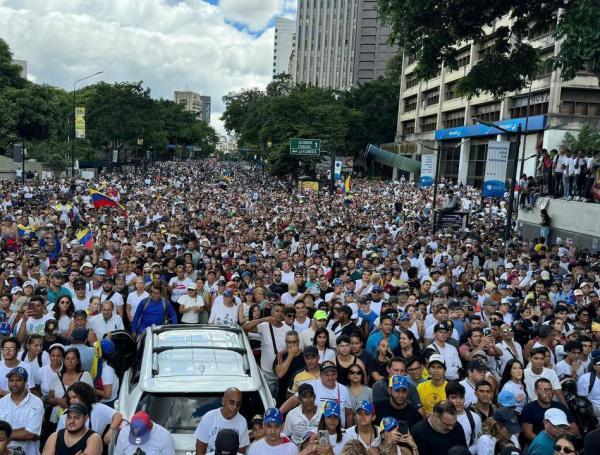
{"x": 577, "y": 220}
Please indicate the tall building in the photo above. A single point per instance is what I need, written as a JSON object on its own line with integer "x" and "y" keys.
{"x": 340, "y": 43}
{"x": 431, "y": 115}
{"x": 372, "y": 48}
{"x": 23, "y": 65}
{"x": 194, "y": 102}
{"x": 284, "y": 44}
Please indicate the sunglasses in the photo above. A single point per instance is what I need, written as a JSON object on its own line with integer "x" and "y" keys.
{"x": 355, "y": 372}
{"x": 290, "y": 315}
{"x": 507, "y": 331}
{"x": 563, "y": 449}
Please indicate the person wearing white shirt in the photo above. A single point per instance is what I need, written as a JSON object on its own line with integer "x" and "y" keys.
{"x": 589, "y": 386}
{"x": 508, "y": 348}
{"x": 447, "y": 351}
{"x": 469, "y": 420}
{"x": 23, "y": 411}
{"x": 143, "y": 435}
{"x": 106, "y": 321}
{"x": 570, "y": 365}
{"x": 476, "y": 370}
{"x": 536, "y": 370}
{"x": 191, "y": 305}
{"x": 273, "y": 442}
{"x": 134, "y": 298}
{"x": 304, "y": 417}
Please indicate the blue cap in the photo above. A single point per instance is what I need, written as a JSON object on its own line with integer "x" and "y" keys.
{"x": 246, "y": 273}
{"x": 249, "y": 291}
{"x": 376, "y": 288}
{"x": 331, "y": 409}
{"x": 338, "y": 282}
{"x": 20, "y": 371}
{"x": 388, "y": 424}
{"x": 107, "y": 346}
{"x": 100, "y": 271}
{"x": 398, "y": 382}
{"x": 5, "y": 329}
{"x": 228, "y": 293}
{"x": 365, "y": 405}
{"x": 405, "y": 317}
{"x": 502, "y": 287}
{"x": 272, "y": 415}
{"x": 507, "y": 399}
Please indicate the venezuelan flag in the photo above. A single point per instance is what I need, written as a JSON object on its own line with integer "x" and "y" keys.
{"x": 26, "y": 230}
{"x": 85, "y": 237}
{"x": 102, "y": 200}
{"x": 347, "y": 185}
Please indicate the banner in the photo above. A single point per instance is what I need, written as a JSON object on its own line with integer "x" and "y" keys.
{"x": 427, "y": 170}
{"x": 495, "y": 169}
{"x": 337, "y": 170}
{"x": 308, "y": 185}
{"x": 80, "y": 122}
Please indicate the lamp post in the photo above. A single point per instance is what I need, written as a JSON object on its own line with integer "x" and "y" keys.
{"x": 74, "y": 107}
{"x": 511, "y": 195}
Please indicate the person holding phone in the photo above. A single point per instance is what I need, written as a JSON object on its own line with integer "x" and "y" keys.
{"x": 364, "y": 431}
{"x": 396, "y": 439}
{"x": 331, "y": 436}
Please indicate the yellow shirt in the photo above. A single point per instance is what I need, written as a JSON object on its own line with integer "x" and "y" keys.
{"x": 430, "y": 394}
{"x": 302, "y": 376}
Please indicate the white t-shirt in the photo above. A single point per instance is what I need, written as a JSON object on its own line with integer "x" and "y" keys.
{"x": 110, "y": 377}
{"x": 29, "y": 414}
{"x": 261, "y": 447}
{"x": 45, "y": 376}
{"x": 4, "y": 371}
{"x": 223, "y": 315}
{"x": 267, "y": 356}
{"x": 101, "y": 417}
{"x": 134, "y": 300}
{"x": 213, "y": 422}
{"x": 37, "y": 325}
{"x": 34, "y": 365}
{"x": 301, "y": 326}
{"x": 187, "y": 302}
{"x": 352, "y": 434}
{"x": 83, "y": 304}
{"x": 530, "y": 377}
{"x": 161, "y": 442}
{"x": 339, "y": 393}
{"x": 519, "y": 392}
{"x": 101, "y": 327}
{"x": 583, "y": 385}
{"x": 470, "y": 397}
{"x": 563, "y": 367}
{"x": 463, "y": 419}
{"x": 179, "y": 287}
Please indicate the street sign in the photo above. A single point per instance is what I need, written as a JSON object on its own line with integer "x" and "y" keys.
{"x": 305, "y": 147}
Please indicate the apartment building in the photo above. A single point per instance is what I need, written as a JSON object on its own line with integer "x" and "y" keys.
{"x": 284, "y": 44}
{"x": 195, "y": 102}
{"x": 431, "y": 115}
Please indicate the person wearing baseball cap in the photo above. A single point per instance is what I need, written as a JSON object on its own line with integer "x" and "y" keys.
{"x": 319, "y": 320}
{"x": 273, "y": 442}
{"x": 191, "y": 306}
{"x": 311, "y": 370}
{"x": 331, "y": 423}
{"x": 476, "y": 370}
{"x": 304, "y": 417}
{"x": 145, "y": 435}
{"x": 434, "y": 390}
{"x": 76, "y": 436}
{"x": 442, "y": 330}
{"x": 556, "y": 426}
{"x": 364, "y": 430}
{"x": 227, "y": 442}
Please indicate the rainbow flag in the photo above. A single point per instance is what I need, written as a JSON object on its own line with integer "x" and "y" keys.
{"x": 102, "y": 200}
{"x": 85, "y": 237}
{"x": 347, "y": 185}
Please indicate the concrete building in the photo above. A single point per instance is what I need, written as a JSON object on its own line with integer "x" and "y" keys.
{"x": 227, "y": 144}
{"x": 431, "y": 115}
{"x": 194, "y": 102}
{"x": 372, "y": 49}
{"x": 284, "y": 44}
{"x": 23, "y": 65}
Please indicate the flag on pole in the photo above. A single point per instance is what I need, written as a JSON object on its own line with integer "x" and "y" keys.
{"x": 347, "y": 185}
{"x": 85, "y": 237}
{"x": 102, "y": 200}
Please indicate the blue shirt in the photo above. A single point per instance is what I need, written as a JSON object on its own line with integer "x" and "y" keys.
{"x": 371, "y": 317}
{"x": 153, "y": 314}
{"x": 543, "y": 444}
{"x": 375, "y": 338}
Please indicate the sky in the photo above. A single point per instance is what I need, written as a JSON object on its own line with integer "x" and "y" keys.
{"x": 207, "y": 46}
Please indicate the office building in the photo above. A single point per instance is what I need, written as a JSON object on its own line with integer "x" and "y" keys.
{"x": 431, "y": 115}
{"x": 194, "y": 102}
{"x": 23, "y": 65}
{"x": 284, "y": 44}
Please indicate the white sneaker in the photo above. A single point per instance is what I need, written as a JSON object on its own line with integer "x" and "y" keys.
{"x": 576, "y": 198}
{"x": 570, "y": 198}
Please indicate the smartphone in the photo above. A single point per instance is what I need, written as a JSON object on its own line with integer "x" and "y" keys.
{"x": 323, "y": 438}
{"x": 31, "y": 306}
{"x": 487, "y": 332}
{"x": 403, "y": 426}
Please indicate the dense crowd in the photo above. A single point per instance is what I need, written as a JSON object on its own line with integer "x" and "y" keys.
{"x": 378, "y": 334}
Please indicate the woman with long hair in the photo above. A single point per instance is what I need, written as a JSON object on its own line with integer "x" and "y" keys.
{"x": 244, "y": 308}
{"x": 493, "y": 431}
{"x": 345, "y": 360}
{"x": 34, "y": 355}
{"x": 332, "y": 423}
{"x": 378, "y": 364}
{"x": 513, "y": 381}
{"x": 63, "y": 311}
{"x": 565, "y": 446}
{"x": 321, "y": 341}
{"x": 359, "y": 391}
{"x": 409, "y": 345}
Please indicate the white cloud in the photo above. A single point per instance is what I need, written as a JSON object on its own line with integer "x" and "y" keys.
{"x": 168, "y": 45}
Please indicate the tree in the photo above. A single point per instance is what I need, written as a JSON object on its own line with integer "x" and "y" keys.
{"x": 431, "y": 29}
{"x": 242, "y": 114}
{"x": 587, "y": 140}
{"x": 10, "y": 73}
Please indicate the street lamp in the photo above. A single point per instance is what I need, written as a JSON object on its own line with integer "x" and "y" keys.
{"x": 74, "y": 107}
{"x": 511, "y": 195}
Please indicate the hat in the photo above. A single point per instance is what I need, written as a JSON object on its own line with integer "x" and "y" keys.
{"x": 365, "y": 405}
{"x": 442, "y": 326}
{"x": 508, "y": 418}
{"x": 320, "y": 315}
{"x": 376, "y": 288}
{"x": 20, "y": 371}
{"x": 507, "y": 399}
{"x": 78, "y": 408}
{"x": 272, "y": 415}
{"x": 437, "y": 358}
{"x": 477, "y": 364}
{"x": 16, "y": 289}
{"x": 582, "y": 285}
{"x": 310, "y": 350}
{"x": 28, "y": 283}
{"x": 577, "y": 292}
{"x": 556, "y": 417}
{"x": 545, "y": 275}
{"x": 86, "y": 264}
{"x": 398, "y": 382}
{"x": 192, "y": 286}
{"x": 331, "y": 409}
{"x": 147, "y": 267}
{"x": 139, "y": 428}
{"x": 227, "y": 442}
{"x": 388, "y": 424}
{"x": 107, "y": 346}
{"x": 100, "y": 271}
{"x": 56, "y": 345}
{"x": 327, "y": 365}
{"x": 228, "y": 293}
{"x": 305, "y": 388}
{"x": 258, "y": 418}
{"x": 79, "y": 334}
{"x": 510, "y": 265}
{"x": 5, "y": 329}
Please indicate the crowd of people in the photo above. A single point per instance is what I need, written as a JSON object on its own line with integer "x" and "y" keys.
{"x": 378, "y": 334}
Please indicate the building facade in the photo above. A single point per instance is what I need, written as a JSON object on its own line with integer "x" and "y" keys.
{"x": 194, "y": 102}
{"x": 284, "y": 44}
{"x": 431, "y": 115}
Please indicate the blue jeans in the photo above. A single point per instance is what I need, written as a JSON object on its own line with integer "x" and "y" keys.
{"x": 545, "y": 232}
{"x": 566, "y": 186}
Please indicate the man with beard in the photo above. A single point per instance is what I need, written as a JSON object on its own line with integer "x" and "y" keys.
{"x": 440, "y": 431}
{"x": 76, "y": 437}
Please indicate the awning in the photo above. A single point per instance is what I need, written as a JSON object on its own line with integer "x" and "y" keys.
{"x": 392, "y": 159}
{"x": 534, "y": 123}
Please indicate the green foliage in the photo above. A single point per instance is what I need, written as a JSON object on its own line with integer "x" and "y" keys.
{"x": 430, "y": 30}
{"x": 393, "y": 68}
{"x": 344, "y": 121}
{"x": 588, "y": 139}
{"x": 10, "y": 73}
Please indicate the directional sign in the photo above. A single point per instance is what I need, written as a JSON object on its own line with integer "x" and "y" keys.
{"x": 305, "y": 147}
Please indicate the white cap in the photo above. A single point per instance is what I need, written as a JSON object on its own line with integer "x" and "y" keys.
{"x": 437, "y": 358}
{"x": 556, "y": 417}
{"x": 510, "y": 265}
{"x": 192, "y": 286}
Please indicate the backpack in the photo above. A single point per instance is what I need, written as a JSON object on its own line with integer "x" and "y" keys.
{"x": 39, "y": 358}
{"x": 472, "y": 425}
{"x": 592, "y": 381}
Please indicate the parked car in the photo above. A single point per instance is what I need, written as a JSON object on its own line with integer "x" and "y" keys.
{"x": 180, "y": 372}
